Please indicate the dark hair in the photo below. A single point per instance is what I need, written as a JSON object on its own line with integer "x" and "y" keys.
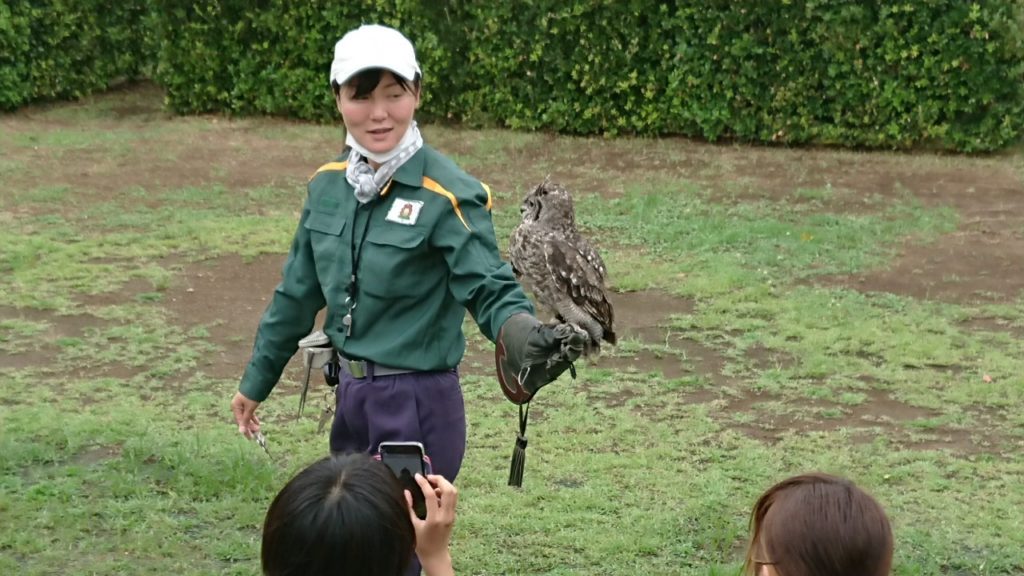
{"x": 817, "y": 525}
{"x": 343, "y": 514}
{"x": 366, "y": 82}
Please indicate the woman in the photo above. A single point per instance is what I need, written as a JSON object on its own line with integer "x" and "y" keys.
{"x": 397, "y": 242}
{"x": 348, "y": 515}
{"x": 818, "y": 525}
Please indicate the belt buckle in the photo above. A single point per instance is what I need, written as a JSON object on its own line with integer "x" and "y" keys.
{"x": 357, "y": 368}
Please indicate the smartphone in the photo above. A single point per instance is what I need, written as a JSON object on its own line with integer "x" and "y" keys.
{"x": 406, "y": 459}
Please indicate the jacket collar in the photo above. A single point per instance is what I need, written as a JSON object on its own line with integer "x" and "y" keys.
{"x": 411, "y": 173}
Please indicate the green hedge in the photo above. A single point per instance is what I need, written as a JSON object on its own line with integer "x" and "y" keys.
{"x": 59, "y": 49}
{"x": 273, "y": 57}
{"x": 944, "y": 73}
{"x": 861, "y": 73}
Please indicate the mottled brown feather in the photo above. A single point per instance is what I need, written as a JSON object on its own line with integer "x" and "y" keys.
{"x": 561, "y": 267}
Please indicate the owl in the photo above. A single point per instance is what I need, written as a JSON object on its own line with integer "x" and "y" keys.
{"x": 563, "y": 270}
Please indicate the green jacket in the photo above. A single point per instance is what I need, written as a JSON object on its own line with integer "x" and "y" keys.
{"x": 426, "y": 252}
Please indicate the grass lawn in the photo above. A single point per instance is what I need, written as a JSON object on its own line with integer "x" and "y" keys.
{"x": 780, "y": 311}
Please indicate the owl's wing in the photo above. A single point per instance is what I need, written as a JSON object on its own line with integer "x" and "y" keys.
{"x": 578, "y": 272}
{"x": 515, "y": 251}
{"x": 588, "y": 252}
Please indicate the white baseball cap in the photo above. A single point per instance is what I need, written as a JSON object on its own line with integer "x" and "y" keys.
{"x": 373, "y": 46}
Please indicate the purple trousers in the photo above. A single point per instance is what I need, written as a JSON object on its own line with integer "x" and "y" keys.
{"x": 425, "y": 407}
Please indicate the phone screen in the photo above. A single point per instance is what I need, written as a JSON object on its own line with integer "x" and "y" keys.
{"x": 405, "y": 460}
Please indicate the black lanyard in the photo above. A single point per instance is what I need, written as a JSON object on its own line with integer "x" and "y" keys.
{"x": 356, "y": 253}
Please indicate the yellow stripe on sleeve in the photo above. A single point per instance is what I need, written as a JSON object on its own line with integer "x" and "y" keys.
{"x": 490, "y": 201}
{"x": 330, "y": 166}
{"x": 436, "y": 188}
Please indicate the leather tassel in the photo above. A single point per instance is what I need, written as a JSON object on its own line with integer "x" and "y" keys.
{"x": 515, "y": 474}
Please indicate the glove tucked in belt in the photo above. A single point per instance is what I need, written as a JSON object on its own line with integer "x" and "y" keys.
{"x": 316, "y": 353}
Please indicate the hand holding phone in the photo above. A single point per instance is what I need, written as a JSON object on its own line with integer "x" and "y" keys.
{"x": 433, "y": 534}
{"x": 406, "y": 459}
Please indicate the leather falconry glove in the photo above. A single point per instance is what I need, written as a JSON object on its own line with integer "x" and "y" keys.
{"x": 529, "y": 355}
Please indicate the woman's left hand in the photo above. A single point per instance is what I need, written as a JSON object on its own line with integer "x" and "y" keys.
{"x": 434, "y": 533}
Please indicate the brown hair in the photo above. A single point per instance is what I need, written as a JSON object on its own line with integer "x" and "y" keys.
{"x": 819, "y": 525}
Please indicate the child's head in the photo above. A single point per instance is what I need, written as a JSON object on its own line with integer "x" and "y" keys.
{"x": 341, "y": 515}
{"x": 818, "y": 525}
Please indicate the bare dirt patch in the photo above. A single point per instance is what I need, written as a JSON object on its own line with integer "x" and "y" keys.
{"x": 128, "y": 292}
{"x": 967, "y": 266}
{"x": 995, "y": 325}
{"x": 145, "y": 150}
{"x": 643, "y": 316}
{"x": 878, "y": 415}
{"x": 227, "y": 296}
{"x": 763, "y": 358}
{"x": 96, "y": 454}
{"x": 977, "y": 262}
{"x": 43, "y": 349}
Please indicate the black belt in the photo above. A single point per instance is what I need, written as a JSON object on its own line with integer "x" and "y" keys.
{"x": 367, "y": 369}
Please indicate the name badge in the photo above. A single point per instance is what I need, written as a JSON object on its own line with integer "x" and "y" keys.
{"x": 404, "y": 211}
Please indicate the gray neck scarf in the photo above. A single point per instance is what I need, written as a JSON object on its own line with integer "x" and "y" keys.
{"x": 367, "y": 182}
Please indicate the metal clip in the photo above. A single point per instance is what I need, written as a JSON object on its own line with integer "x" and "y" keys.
{"x": 262, "y": 441}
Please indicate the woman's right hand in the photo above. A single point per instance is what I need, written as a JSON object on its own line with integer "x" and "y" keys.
{"x": 435, "y": 532}
{"x": 244, "y": 410}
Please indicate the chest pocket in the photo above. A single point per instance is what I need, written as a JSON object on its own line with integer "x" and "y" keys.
{"x": 330, "y": 254}
{"x": 325, "y": 223}
{"x": 396, "y": 262}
